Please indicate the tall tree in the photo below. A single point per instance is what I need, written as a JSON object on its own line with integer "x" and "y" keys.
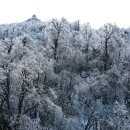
{"x": 57, "y": 33}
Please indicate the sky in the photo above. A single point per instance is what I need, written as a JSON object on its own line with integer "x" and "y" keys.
{"x": 96, "y": 12}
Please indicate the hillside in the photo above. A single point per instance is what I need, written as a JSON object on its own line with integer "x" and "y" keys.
{"x": 57, "y": 75}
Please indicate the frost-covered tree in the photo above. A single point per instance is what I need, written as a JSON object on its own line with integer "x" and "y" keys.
{"x": 121, "y": 117}
{"x": 57, "y": 33}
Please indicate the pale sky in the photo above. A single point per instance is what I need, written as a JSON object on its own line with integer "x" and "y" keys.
{"x": 96, "y": 12}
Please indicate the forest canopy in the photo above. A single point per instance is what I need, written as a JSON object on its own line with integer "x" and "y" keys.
{"x": 60, "y": 75}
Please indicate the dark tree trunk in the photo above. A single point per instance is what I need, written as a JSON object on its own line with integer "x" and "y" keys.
{"x": 88, "y": 125}
{"x": 106, "y": 55}
{"x": 7, "y": 95}
{"x": 55, "y": 48}
{"x": 6, "y": 125}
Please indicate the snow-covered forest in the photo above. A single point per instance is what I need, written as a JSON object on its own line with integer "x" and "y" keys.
{"x": 60, "y": 75}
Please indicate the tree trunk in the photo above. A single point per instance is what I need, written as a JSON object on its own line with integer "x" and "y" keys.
{"x": 55, "y": 48}
{"x": 6, "y": 125}
{"x": 106, "y": 55}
